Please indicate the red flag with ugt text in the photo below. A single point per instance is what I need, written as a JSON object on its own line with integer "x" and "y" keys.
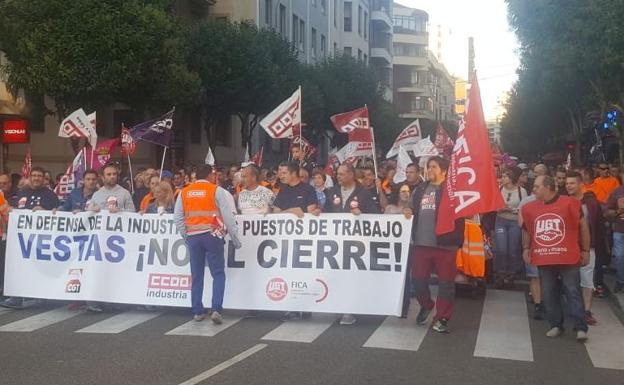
{"x": 471, "y": 186}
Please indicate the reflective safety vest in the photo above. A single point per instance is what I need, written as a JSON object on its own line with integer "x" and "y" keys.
{"x": 201, "y": 213}
{"x": 471, "y": 257}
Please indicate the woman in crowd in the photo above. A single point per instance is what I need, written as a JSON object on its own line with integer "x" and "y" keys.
{"x": 402, "y": 200}
{"x": 507, "y": 231}
{"x": 318, "y": 180}
{"x": 163, "y": 199}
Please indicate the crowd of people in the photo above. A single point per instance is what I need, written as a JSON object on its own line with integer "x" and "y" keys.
{"x": 587, "y": 205}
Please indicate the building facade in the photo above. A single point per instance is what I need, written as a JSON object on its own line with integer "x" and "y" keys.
{"x": 423, "y": 88}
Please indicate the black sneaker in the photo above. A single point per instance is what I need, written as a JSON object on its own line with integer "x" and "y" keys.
{"x": 539, "y": 312}
{"x": 618, "y": 287}
{"x": 422, "y": 316}
{"x": 441, "y": 326}
{"x": 292, "y": 315}
{"x": 13, "y": 303}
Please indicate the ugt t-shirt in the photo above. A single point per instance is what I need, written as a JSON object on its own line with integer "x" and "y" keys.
{"x": 301, "y": 195}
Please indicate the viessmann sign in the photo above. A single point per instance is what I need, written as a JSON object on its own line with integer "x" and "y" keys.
{"x": 15, "y": 131}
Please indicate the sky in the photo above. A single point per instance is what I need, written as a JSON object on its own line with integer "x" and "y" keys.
{"x": 496, "y": 58}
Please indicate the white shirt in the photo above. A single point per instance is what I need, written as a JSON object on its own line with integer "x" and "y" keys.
{"x": 256, "y": 201}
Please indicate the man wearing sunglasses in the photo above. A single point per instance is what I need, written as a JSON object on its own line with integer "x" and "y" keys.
{"x": 605, "y": 180}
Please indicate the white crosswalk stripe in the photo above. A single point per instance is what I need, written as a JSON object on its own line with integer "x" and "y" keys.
{"x": 504, "y": 330}
{"x": 120, "y": 322}
{"x": 205, "y": 328}
{"x": 305, "y": 330}
{"x": 605, "y": 345}
{"x": 40, "y": 320}
{"x": 399, "y": 333}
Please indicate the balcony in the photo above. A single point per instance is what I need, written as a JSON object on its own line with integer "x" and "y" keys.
{"x": 419, "y": 61}
{"x": 412, "y": 88}
{"x": 381, "y": 17}
{"x": 417, "y": 114}
{"x": 381, "y": 53}
{"x": 420, "y": 38}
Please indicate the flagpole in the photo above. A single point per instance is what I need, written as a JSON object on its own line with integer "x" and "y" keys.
{"x": 162, "y": 164}
{"x": 300, "y": 126}
{"x": 131, "y": 176}
{"x": 374, "y": 148}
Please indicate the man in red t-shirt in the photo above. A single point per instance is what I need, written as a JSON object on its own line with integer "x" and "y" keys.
{"x": 553, "y": 230}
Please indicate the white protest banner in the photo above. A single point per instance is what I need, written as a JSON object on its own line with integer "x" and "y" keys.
{"x": 334, "y": 263}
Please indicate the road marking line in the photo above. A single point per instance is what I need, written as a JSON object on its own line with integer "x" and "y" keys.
{"x": 40, "y": 320}
{"x": 399, "y": 333}
{"x": 204, "y": 328}
{"x": 605, "y": 345}
{"x": 305, "y": 330}
{"x": 120, "y": 322}
{"x": 224, "y": 365}
{"x": 504, "y": 329}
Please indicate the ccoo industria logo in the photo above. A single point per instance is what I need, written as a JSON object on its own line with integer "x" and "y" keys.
{"x": 73, "y": 284}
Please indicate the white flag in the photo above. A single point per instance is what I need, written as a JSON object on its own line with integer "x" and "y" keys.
{"x": 424, "y": 148}
{"x": 92, "y": 132}
{"x": 210, "y": 159}
{"x": 285, "y": 120}
{"x": 409, "y": 136}
{"x": 76, "y": 125}
{"x": 354, "y": 150}
{"x": 403, "y": 161}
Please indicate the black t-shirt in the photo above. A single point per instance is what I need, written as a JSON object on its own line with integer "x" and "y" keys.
{"x": 301, "y": 195}
{"x": 43, "y": 196}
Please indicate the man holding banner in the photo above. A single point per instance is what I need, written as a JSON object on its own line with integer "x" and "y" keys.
{"x": 198, "y": 212}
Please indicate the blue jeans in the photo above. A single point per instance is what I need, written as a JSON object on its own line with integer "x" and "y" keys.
{"x": 569, "y": 286}
{"x": 618, "y": 253}
{"x": 206, "y": 247}
{"x": 507, "y": 246}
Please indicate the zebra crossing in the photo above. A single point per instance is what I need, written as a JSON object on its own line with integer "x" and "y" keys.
{"x": 504, "y": 331}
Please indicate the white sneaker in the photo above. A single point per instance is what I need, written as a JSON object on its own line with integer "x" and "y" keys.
{"x": 581, "y": 335}
{"x": 216, "y": 318}
{"x": 347, "y": 319}
{"x": 554, "y": 332}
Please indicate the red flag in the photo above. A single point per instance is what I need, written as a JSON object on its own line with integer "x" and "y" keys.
{"x": 128, "y": 144}
{"x": 299, "y": 141}
{"x": 352, "y": 120}
{"x": 257, "y": 157}
{"x": 471, "y": 186}
{"x": 103, "y": 152}
{"x": 27, "y": 164}
{"x": 443, "y": 141}
{"x": 332, "y": 162}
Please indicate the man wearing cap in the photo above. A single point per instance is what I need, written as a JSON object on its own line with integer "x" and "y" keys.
{"x": 197, "y": 214}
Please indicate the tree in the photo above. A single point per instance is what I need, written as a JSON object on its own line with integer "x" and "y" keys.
{"x": 93, "y": 52}
{"x": 572, "y": 57}
{"x": 244, "y": 71}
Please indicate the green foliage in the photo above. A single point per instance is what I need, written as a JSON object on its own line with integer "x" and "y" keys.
{"x": 572, "y": 56}
{"x": 91, "y": 52}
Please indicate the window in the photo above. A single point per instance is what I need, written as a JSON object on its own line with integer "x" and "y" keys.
{"x": 409, "y": 24}
{"x": 295, "y": 30}
{"x": 360, "y": 20}
{"x": 302, "y": 36}
{"x": 313, "y": 43}
{"x": 365, "y": 59}
{"x": 314, "y": 3}
{"x": 282, "y": 20}
{"x": 414, "y": 77}
{"x": 323, "y": 6}
{"x": 335, "y": 48}
{"x": 268, "y": 12}
{"x": 323, "y": 46}
{"x": 347, "y": 51}
{"x": 347, "y": 16}
{"x": 413, "y": 50}
{"x": 359, "y": 54}
{"x": 365, "y": 25}
{"x": 335, "y": 13}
